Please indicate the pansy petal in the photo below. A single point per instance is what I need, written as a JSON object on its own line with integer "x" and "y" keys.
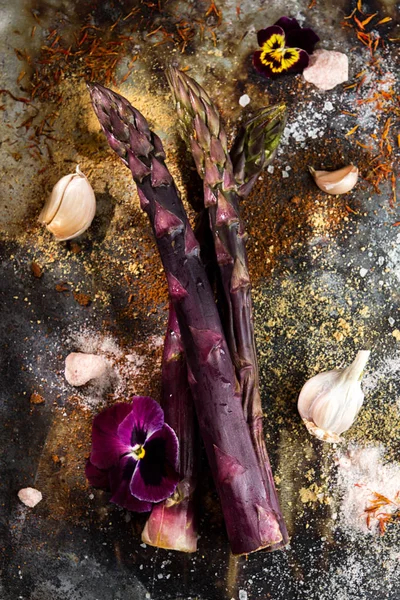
{"x": 123, "y": 497}
{"x": 145, "y": 418}
{"x": 107, "y": 447}
{"x": 98, "y": 478}
{"x": 302, "y": 38}
{"x": 120, "y": 477}
{"x": 263, "y": 69}
{"x": 288, "y": 24}
{"x": 264, "y": 34}
{"x": 302, "y": 60}
{"x": 155, "y": 477}
{"x": 171, "y": 444}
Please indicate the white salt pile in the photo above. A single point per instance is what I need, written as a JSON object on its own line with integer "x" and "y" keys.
{"x": 363, "y": 473}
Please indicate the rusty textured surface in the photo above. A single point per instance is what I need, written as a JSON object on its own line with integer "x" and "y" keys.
{"x": 313, "y": 308}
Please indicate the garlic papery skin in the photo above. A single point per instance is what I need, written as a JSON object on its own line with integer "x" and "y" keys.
{"x": 70, "y": 208}
{"x": 336, "y": 182}
{"x": 329, "y": 402}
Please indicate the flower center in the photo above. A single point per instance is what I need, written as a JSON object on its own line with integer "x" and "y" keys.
{"x": 138, "y": 451}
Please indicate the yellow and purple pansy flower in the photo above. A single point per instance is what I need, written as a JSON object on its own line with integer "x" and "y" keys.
{"x": 285, "y": 48}
{"x": 134, "y": 454}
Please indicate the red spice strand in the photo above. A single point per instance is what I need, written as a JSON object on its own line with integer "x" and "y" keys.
{"x": 16, "y": 98}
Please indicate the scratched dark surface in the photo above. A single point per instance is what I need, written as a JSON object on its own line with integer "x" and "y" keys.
{"x": 75, "y": 545}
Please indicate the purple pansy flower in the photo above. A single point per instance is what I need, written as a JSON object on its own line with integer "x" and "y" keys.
{"x": 134, "y": 454}
{"x": 285, "y": 47}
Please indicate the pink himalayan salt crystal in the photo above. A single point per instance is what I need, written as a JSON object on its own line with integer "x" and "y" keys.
{"x": 29, "y": 496}
{"x": 327, "y": 69}
{"x": 81, "y": 368}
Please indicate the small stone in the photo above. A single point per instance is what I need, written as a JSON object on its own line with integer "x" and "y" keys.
{"x": 327, "y": 69}
{"x": 270, "y": 169}
{"x": 244, "y": 100}
{"x": 82, "y": 299}
{"x": 29, "y": 496}
{"x": 36, "y": 269}
{"x": 81, "y": 368}
{"x": 328, "y": 106}
{"x": 391, "y": 321}
{"x": 36, "y": 398}
{"x": 363, "y": 272}
{"x": 285, "y": 174}
{"x": 396, "y": 335}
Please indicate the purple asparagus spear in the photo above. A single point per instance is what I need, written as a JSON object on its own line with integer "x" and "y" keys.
{"x": 171, "y": 524}
{"x": 250, "y": 521}
{"x": 223, "y": 185}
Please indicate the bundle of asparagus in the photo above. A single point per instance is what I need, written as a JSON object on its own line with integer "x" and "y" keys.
{"x": 250, "y": 508}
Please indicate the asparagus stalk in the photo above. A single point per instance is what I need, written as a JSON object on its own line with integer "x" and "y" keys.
{"x": 171, "y": 524}
{"x": 223, "y": 185}
{"x": 250, "y": 521}
{"x": 255, "y": 146}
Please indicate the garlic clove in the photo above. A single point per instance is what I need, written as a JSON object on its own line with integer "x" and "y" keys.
{"x": 53, "y": 203}
{"x": 336, "y": 182}
{"x": 70, "y": 208}
{"x": 330, "y": 402}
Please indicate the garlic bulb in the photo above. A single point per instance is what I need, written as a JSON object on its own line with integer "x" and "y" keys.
{"x": 329, "y": 402}
{"x": 336, "y": 182}
{"x": 70, "y": 208}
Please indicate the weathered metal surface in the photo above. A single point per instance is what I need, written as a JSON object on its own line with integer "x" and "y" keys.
{"x": 314, "y": 307}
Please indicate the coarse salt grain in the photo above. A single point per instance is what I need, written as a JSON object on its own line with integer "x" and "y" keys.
{"x": 361, "y": 472}
{"x": 244, "y": 100}
{"x": 29, "y": 496}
